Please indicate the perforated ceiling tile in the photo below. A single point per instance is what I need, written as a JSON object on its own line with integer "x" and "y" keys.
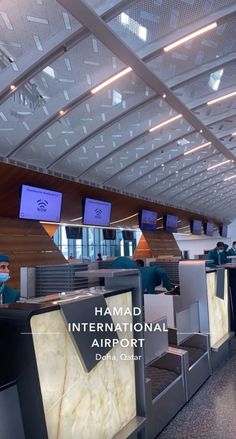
{"x": 27, "y": 25}
{"x": 142, "y": 156}
{"x": 208, "y": 86}
{"x": 175, "y": 65}
{"x": 101, "y": 6}
{"x": 85, "y": 120}
{"x": 57, "y": 85}
{"x": 104, "y": 139}
{"x": 147, "y": 21}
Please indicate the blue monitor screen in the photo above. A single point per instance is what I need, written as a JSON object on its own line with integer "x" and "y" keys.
{"x": 196, "y": 226}
{"x": 96, "y": 213}
{"x": 170, "y": 223}
{"x": 40, "y": 204}
{"x": 223, "y": 229}
{"x": 147, "y": 220}
{"x": 208, "y": 229}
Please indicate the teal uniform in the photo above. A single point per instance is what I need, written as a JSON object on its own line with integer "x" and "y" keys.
{"x": 231, "y": 252}
{"x": 9, "y": 295}
{"x": 217, "y": 258}
{"x": 150, "y": 276}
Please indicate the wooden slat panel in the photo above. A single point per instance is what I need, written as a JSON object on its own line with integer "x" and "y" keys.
{"x": 27, "y": 244}
{"x": 123, "y": 206}
{"x": 156, "y": 244}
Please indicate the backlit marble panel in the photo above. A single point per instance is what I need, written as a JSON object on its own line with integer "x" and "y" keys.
{"x": 218, "y": 309}
{"x": 80, "y": 405}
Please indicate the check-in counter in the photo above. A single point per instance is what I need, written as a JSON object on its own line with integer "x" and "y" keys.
{"x": 231, "y": 267}
{"x": 202, "y": 308}
{"x": 67, "y": 386}
{"x": 165, "y": 378}
{"x": 164, "y": 368}
{"x": 213, "y": 306}
{"x": 185, "y": 315}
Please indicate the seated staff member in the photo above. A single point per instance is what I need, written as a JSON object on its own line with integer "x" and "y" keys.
{"x": 232, "y": 250}
{"x": 150, "y": 276}
{"x": 218, "y": 255}
{"x": 7, "y": 294}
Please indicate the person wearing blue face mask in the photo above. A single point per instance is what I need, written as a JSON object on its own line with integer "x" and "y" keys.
{"x": 218, "y": 255}
{"x": 7, "y": 294}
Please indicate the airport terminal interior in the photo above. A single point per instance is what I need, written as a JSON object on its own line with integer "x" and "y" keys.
{"x": 117, "y": 219}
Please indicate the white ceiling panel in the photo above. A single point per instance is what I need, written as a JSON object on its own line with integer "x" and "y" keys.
{"x": 53, "y": 121}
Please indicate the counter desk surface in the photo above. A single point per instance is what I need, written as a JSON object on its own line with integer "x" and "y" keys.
{"x": 67, "y": 386}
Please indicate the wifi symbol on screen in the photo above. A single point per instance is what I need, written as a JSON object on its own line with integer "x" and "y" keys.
{"x": 42, "y": 203}
{"x": 98, "y": 212}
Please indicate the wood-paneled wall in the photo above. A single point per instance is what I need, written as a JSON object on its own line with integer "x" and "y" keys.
{"x": 27, "y": 244}
{"x": 156, "y": 244}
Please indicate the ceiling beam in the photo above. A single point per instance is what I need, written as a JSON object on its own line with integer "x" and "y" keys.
{"x": 177, "y": 82}
{"x": 149, "y": 155}
{"x": 101, "y": 30}
{"x": 218, "y": 200}
{"x": 155, "y": 49}
{"x": 190, "y": 178}
{"x": 190, "y": 165}
{"x": 180, "y": 192}
{"x": 32, "y": 63}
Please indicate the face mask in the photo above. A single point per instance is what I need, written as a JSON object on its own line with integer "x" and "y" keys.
{"x": 220, "y": 251}
{"x": 4, "y": 277}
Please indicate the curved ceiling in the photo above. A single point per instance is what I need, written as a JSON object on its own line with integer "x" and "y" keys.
{"x": 136, "y": 134}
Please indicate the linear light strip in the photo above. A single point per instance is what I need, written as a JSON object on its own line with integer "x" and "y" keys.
{"x": 110, "y": 80}
{"x": 123, "y": 219}
{"x": 221, "y": 98}
{"x": 218, "y": 164}
{"x": 190, "y": 36}
{"x": 76, "y": 219}
{"x": 230, "y": 178}
{"x": 197, "y": 148}
{"x": 160, "y": 125}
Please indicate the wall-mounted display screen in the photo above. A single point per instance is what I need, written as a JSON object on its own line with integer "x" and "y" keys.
{"x": 147, "y": 220}
{"x": 223, "y": 230}
{"x": 73, "y": 232}
{"x": 208, "y": 229}
{"x": 128, "y": 235}
{"x": 170, "y": 223}
{"x": 96, "y": 212}
{"x": 40, "y": 204}
{"x": 196, "y": 227}
{"x": 109, "y": 234}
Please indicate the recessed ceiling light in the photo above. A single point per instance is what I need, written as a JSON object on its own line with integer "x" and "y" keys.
{"x": 61, "y": 112}
{"x": 12, "y": 87}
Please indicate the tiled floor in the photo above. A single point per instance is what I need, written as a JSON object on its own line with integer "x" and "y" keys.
{"x": 211, "y": 413}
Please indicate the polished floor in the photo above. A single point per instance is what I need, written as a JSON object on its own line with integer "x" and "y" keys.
{"x": 211, "y": 413}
